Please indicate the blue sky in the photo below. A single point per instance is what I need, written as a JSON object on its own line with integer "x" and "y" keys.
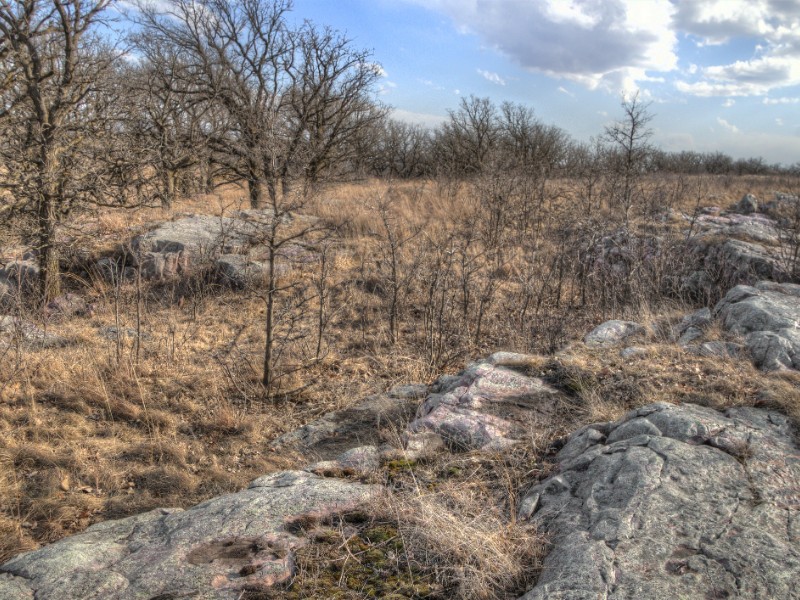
{"x": 721, "y": 74}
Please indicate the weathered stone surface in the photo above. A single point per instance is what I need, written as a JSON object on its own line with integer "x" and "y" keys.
{"x": 222, "y": 549}
{"x": 359, "y": 461}
{"x": 748, "y": 227}
{"x": 488, "y": 406}
{"x": 747, "y": 205}
{"x": 673, "y": 502}
{"x": 768, "y": 314}
{"x": 14, "y": 330}
{"x": 68, "y": 305}
{"x": 238, "y": 271}
{"x": 633, "y": 352}
{"x": 612, "y": 333}
{"x": 716, "y": 349}
{"x": 338, "y": 431}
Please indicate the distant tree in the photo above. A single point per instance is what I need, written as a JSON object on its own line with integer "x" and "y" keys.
{"x": 56, "y": 103}
{"x": 629, "y": 140}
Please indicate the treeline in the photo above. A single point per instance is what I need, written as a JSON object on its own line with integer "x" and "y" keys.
{"x": 199, "y": 93}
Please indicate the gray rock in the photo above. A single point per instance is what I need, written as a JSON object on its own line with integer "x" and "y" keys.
{"x": 612, "y": 333}
{"x": 747, "y": 205}
{"x": 768, "y": 314}
{"x": 360, "y": 461}
{"x": 68, "y": 305}
{"x": 692, "y": 327}
{"x": 749, "y": 227}
{"x": 14, "y": 330}
{"x": 633, "y": 351}
{"x": 486, "y": 407}
{"x": 222, "y": 549}
{"x": 420, "y": 446}
{"x": 672, "y": 502}
{"x": 326, "y": 438}
{"x": 717, "y": 349}
{"x": 238, "y": 271}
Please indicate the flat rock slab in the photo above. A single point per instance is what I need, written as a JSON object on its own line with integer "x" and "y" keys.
{"x": 336, "y": 432}
{"x": 222, "y": 549}
{"x": 489, "y": 406}
{"x": 768, "y": 315}
{"x": 673, "y": 502}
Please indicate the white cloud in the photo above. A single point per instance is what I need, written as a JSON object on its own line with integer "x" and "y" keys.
{"x": 776, "y": 60}
{"x": 425, "y": 119}
{"x": 728, "y": 103}
{"x": 493, "y": 77}
{"x": 609, "y": 44}
{"x": 728, "y": 126}
{"x": 783, "y": 100}
{"x": 564, "y": 90}
{"x": 779, "y": 122}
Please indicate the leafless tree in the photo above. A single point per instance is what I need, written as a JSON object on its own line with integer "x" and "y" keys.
{"x": 53, "y": 115}
{"x": 629, "y": 139}
{"x": 288, "y": 99}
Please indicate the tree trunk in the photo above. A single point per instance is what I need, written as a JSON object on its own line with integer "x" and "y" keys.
{"x": 256, "y": 193}
{"x": 49, "y": 276}
{"x": 168, "y": 195}
{"x": 269, "y": 324}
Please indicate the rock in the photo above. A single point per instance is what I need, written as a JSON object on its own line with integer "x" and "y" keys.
{"x": 360, "y": 461}
{"x": 747, "y": 205}
{"x": 338, "y": 431}
{"x": 716, "y": 349}
{"x": 421, "y": 446}
{"x": 68, "y": 305}
{"x": 692, "y": 327}
{"x": 782, "y": 206}
{"x": 237, "y": 271}
{"x": 486, "y": 407}
{"x": 228, "y": 548}
{"x": 633, "y": 351}
{"x": 765, "y": 307}
{"x": 747, "y": 227}
{"x": 21, "y": 274}
{"x": 114, "y": 270}
{"x": 14, "y": 330}
{"x": 112, "y": 333}
{"x": 772, "y": 351}
{"x": 672, "y": 502}
{"x": 612, "y": 333}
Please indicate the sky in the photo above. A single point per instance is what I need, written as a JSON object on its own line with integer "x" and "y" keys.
{"x": 719, "y": 74}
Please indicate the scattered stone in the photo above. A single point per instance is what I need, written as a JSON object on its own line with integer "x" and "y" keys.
{"x": 633, "y": 351}
{"x": 612, "y": 333}
{"x": 112, "y": 333}
{"x": 716, "y": 349}
{"x": 747, "y": 205}
{"x": 421, "y": 446}
{"x": 68, "y": 305}
{"x": 14, "y": 330}
{"x": 486, "y": 407}
{"x": 672, "y": 502}
{"x": 227, "y": 548}
{"x": 336, "y": 432}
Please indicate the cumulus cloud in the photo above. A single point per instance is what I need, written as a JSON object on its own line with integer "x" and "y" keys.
{"x": 776, "y": 60}
{"x": 493, "y": 77}
{"x": 597, "y": 43}
{"x": 728, "y": 103}
{"x": 730, "y": 127}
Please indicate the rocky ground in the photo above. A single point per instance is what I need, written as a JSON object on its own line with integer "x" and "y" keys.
{"x": 698, "y": 497}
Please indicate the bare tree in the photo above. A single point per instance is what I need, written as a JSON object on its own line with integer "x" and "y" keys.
{"x": 53, "y": 69}
{"x": 629, "y": 139}
{"x": 288, "y": 99}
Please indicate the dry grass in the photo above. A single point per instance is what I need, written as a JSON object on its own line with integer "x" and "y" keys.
{"x": 93, "y": 431}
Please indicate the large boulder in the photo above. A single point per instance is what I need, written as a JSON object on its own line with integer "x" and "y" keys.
{"x": 489, "y": 406}
{"x": 672, "y": 502}
{"x": 232, "y": 547}
{"x": 747, "y": 205}
{"x": 768, "y": 315}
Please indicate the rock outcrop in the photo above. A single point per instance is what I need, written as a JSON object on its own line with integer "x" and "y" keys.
{"x": 768, "y": 315}
{"x": 673, "y": 502}
{"x": 223, "y": 549}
